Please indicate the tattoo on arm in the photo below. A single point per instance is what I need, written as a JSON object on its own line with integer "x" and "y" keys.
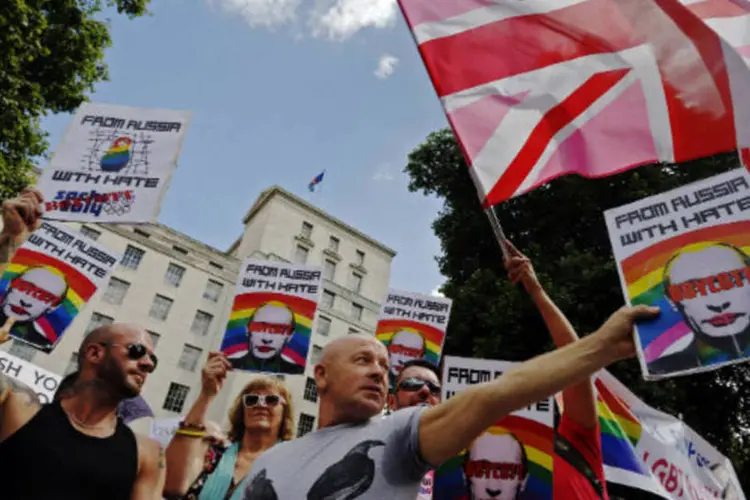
{"x": 9, "y": 385}
{"x": 162, "y": 458}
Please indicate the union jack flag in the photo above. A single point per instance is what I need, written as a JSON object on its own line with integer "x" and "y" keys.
{"x": 535, "y": 89}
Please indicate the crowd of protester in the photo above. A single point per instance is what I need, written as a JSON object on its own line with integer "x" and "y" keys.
{"x": 76, "y": 447}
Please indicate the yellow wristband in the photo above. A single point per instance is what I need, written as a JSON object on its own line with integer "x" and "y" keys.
{"x": 190, "y": 433}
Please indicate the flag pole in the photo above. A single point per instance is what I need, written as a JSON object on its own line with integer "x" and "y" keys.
{"x": 497, "y": 229}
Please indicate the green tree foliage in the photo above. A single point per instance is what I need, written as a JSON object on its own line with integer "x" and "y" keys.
{"x": 51, "y": 55}
{"x": 561, "y": 228}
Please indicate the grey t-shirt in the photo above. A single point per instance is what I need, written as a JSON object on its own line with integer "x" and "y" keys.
{"x": 375, "y": 460}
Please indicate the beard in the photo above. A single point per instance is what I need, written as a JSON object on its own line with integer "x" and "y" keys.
{"x": 115, "y": 378}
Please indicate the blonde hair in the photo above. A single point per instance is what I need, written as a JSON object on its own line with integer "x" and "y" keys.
{"x": 236, "y": 412}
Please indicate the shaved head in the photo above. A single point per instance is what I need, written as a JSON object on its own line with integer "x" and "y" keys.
{"x": 111, "y": 334}
{"x": 345, "y": 345}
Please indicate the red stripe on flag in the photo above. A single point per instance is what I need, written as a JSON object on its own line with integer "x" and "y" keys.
{"x": 556, "y": 118}
{"x": 696, "y": 130}
{"x": 526, "y": 43}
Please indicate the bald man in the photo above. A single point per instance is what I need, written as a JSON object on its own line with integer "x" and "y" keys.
{"x": 496, "y": 467}
{"x": 76, "y": 448}
{"x": 356, "y": 453}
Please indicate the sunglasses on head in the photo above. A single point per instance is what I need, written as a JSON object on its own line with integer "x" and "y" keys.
{"x": 137, "y": 352}
{"x": 250, "y": 400}
{"x": 412, "y": 384}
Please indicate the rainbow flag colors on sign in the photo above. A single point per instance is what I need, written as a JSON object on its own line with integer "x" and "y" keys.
{"x": 49, "y": 280}
{"x": 412, "y": 326}
{"x": 515, "y": 454}
{"x": 272, "y": 314}
{"x": 687, "y": 251}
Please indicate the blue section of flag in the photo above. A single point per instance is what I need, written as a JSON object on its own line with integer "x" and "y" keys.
{"x": 317, "y": 180}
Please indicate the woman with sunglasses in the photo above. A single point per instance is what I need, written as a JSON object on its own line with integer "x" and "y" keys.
{"x": 205, "y": 467}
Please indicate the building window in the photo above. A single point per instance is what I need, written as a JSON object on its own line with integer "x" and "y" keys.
{"x": 174, "y": 274}
{"x": 154, "y": 338}
{"x": 329, "y": 269}
{"x": 116, "y": 291}
{"x": 353, "y": 331}
{"x": 360, "y": 260}
{"x": 22, "y": 350}
{"x": 213, "y": 290}
{"x": 160, "y": 307}
{"x": 132, "y": 257}
{"x": 305, "y": 425}
{"x": 96, "y": 321}
{"x": 356, "y": 283}
{"x": 201, "y": 322}
{"x": 217, "y": 266}
{"x": 179, "y": 249}
{"x": 92, "y": 234}
{"x": 357, "y": 311}
{"x": 333, "y": 244}
{"x": 300, "y": 254}
{"x": 315, "y": 354}
{"x": 189, "y": 358}
{"x": 72, "y": 364}
{"x": 140, "y": 232}
{"x": 176, "y": 396}
{"x": 327, "y": 300}
{"x": 324, "y": 325}
{"x": 311, "y": 391}
{"x": 307, "y": 230}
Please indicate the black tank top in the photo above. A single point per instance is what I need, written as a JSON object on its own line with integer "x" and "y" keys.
{"x": 48, "y": 459}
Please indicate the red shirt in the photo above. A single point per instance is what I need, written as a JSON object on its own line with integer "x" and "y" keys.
{"x": 567, "y": 482}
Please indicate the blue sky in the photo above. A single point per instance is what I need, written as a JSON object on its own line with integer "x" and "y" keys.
{"x": 280, "y": 90}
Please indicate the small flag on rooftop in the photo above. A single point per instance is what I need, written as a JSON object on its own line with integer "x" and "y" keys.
{"x": 317, "y": 180}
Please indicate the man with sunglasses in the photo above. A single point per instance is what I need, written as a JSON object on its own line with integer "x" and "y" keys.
{"x": 356, "y": 453}
{"x": 417, "y": 384}
{"x": 84, "y": 452}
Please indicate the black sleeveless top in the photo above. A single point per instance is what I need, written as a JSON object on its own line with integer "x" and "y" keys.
{"x": 48, "y": 459}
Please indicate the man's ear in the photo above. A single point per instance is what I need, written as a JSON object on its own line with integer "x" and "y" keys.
{"x": 95, "y": 353}
{"x": 321, "y": 379}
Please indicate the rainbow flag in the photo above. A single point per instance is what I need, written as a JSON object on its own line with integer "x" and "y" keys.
{"x": 620, "y": 431}
{"x": 538, "y": 443}
{"x": 433, "y": 337}
{"x": 80, "y": 290}
{"x": 235, "y": 342}
{"x": 642, "y": 274}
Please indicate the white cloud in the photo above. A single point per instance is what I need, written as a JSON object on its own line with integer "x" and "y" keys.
{"x": 340, "y": 19}
{"x": 386, "y": 66}
{"x": 265, "y": 13}
{"x": 384, "y": 172}
{"x": 436, "y": 292}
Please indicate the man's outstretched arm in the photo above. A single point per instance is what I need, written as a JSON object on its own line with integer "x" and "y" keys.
{"x": 450, "y": 427}
{"x": 579, "y": 400}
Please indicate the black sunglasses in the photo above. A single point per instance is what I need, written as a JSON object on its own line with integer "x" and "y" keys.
{"x": 412, "y": 384}
{"x": 136, "y": 352}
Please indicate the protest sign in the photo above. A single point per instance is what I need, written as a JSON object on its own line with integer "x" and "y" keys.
{"x": 412, "y": 326}
{"x": 47, "y": 282}
{"x": 514, "y": 457}
{"x": 133, "y": 409}
{"x": 113, "y": 164}
{"x": 38, "y": 379}
{"x": 271, "y": 320}
{"x": 163, "y": 429}
{"x": 648, "y": 450}
{"x": 686, "y": 251}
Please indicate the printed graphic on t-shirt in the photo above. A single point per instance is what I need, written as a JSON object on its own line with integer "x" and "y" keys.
{"x": 425, "y": 490}
{"x": 346, "y": 479}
